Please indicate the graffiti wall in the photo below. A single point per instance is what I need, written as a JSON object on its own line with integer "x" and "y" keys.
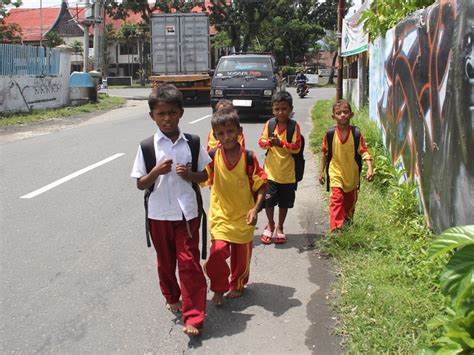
{"x": 422, "y": 94}
{"x": 23, "y": 93}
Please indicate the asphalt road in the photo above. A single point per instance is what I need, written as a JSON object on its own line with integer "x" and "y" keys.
{"x": 77, "y": 278}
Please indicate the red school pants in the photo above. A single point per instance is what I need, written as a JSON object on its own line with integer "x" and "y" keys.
{"x": 341, "y": 207}
{"x": 218, "y": 270}
{"x": 178, "y": 242}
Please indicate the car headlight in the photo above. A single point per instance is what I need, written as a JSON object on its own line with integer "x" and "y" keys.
{"x": 268, "y": 92}
{"x": 218, "y": 92}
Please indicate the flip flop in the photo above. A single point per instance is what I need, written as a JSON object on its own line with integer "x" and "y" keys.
{"x": 280, "y": 238}
{"x": 266, "y": 237}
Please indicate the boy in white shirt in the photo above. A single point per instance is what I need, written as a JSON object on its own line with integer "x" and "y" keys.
{"x": 173, "y": 208}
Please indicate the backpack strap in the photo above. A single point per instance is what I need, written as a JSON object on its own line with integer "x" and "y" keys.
{"x": 195, "y": 146}
{"x": 148, "y": 151}
{"x": 356, "y": 136}
{"x": 290, "y": 130}
{"x": 329, "y": 138}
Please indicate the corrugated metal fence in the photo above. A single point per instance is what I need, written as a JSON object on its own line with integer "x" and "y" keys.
{"x": 28, "y": 60}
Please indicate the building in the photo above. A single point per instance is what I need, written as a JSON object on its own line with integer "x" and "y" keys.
{"x": 123, "y": 58}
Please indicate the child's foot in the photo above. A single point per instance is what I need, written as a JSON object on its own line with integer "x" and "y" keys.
{"x": 174, "y": 307}
{"x": 280, "y": 237}
{"x": 266, "y": 237}
{"x": 190, "y": 330}
{"x": 234, "y": 294}
{"x": 218, "y": 298}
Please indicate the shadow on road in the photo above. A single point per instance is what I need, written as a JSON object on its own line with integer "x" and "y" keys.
{"x": 229, "y": 319}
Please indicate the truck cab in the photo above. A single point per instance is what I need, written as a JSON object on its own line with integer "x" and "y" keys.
{"x": 248, "y": 80}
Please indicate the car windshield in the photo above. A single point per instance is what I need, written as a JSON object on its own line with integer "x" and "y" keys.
{"x": 245, "y": 67}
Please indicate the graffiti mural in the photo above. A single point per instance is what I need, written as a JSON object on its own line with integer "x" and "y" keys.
{"x": 422, "y": 94}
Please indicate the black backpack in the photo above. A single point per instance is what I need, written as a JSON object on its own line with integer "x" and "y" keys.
{"x": 358, "y": 158}
{"x": 298, "y": 157}
{"x": 148, "y": 150}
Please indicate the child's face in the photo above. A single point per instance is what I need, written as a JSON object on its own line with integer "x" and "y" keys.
{"x": 342, "y": 114}
{"x": 227, "y": 135}
{"x": 282, "y": 110}
{"x": 166, "y": 117}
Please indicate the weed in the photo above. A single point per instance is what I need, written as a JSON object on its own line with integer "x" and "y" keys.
{"x": 387, "y": 289}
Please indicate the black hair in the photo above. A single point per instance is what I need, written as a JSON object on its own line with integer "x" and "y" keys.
{"x": 282, "y": 96}
{"x": 165, "y": 93}
{"x": 224, "y": 103}
{"x": 223, "y": 116}
{"x": 341, "y": 102}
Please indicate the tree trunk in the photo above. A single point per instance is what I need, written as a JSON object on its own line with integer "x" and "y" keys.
{"x": 331, "y": 74}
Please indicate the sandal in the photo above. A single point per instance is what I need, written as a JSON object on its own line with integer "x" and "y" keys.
{"x": 266, "y": 237}
{"x": 280, "y": 238}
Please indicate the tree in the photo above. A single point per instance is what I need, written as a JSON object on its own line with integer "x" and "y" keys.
{"x": 120, "y": 10}
{"x": 240, "y": 20}
{"x": 385, "y": 14}
{"x": 76, "y": 47}
{"x": 53, "y": 39}
{"x": 330, "y": 45}
{"x": 9, "y": 33}
{"x": 290, "y": 30}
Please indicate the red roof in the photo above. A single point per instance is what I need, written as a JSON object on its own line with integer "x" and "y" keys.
{"x": 29, "y": 21}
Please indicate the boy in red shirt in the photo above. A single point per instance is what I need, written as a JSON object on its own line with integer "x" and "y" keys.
{"x": 343, "y": 169}
{"x": 280, "y": 167}
{"x": 233, "y": 209}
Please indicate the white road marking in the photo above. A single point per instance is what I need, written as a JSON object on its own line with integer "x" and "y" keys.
{"x": 71, "y": 176}
{"x": 200, "y": 119}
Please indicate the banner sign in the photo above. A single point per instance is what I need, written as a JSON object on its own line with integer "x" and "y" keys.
{"x": 354, "y": 40}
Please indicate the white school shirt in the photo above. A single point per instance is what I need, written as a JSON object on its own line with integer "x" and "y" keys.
{"x": 172, "y": 196}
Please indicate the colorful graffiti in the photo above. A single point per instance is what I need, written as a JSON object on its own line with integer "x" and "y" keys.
{"x": 422, "y": 93}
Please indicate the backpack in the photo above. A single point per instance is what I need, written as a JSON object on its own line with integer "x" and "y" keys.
{"x": 148, "y": 150}
{"x": 298, "y": 157}
{"x": 358, "y": 158}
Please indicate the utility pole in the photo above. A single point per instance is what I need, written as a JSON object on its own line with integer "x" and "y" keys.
{"x": 97, "y": 35}
{"x": 340, "y": 61}
{"x": 41, "y": 23}
{"x": 86, "y": 36}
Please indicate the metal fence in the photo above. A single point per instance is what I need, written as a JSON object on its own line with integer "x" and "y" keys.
{"x": 28, "y": 60}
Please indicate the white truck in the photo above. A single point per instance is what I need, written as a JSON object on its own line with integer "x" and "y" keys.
{"x": 180, "y": 52}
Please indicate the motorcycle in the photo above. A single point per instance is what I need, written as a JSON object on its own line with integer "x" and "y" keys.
{"x": 302, "y": 89}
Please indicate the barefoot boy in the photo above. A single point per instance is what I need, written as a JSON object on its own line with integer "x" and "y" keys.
{"x": 343, "y": 149}
{"x": 233, "y": 210}
{"x": 173, "y": 209}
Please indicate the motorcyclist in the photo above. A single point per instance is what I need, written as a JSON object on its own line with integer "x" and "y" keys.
{"x": 302, "y": 79}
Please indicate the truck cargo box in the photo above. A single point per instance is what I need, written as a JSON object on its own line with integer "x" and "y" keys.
{"x": 180, "y": 43}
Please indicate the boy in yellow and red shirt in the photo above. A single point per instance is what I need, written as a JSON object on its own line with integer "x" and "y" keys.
{"x": 279, "y": 166}
{"x": 340, "y": 161}
{"x": 237, "y": 191}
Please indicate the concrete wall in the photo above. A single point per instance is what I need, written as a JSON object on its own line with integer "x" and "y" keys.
{"x": 422, "y": 95}
{"x": 25, "y": 93}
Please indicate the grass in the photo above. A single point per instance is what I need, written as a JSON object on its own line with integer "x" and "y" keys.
{"x": 387, "y": 289}
{"x": 104, "y": 103}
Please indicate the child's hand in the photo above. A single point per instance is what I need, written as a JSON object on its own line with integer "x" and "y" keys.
{"x": 275, "y": 142}
{"x": 251, "y": 218}
{"x": 164, "y": 167}
{"x": 183, "y": 170}
{"x": 322, "y": 178}
{"x": 370, "y": 174}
